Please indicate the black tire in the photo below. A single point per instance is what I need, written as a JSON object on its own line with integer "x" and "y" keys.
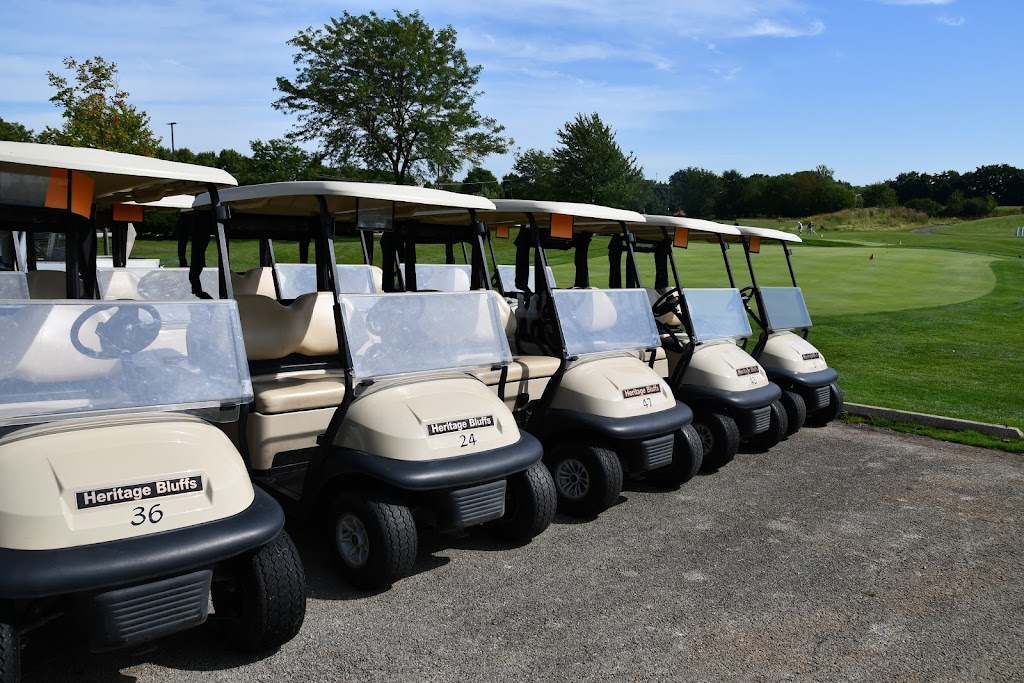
{"x": 830, "y": 412}
{"x": 796, "y": 411}
{"x": 776, "y": 431}
{"x": 530, "y": 502}
{"x": 587, "y": 476}
{"x": 263, "y": 605}
{"x": 10, "y": 654}
{"x": 720, "y": 438}
{"x": 687, "y": 457}
{"x": 376, "y": 540}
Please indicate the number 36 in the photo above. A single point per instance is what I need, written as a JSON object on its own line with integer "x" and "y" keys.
{"x": 141, "y": 515}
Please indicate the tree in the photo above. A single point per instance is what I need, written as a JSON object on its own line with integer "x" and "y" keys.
{"x": 695, "y": 191}
{"x": 881, "y": 195}
{"x": 482, "y": 182}
{"x": 96, "y": 111}
{"x": 11, "y": 131}
{"x": 591, "y": 167}
{"x": 532, "y": 176}
{"x": 392, "y": 94}
{"x": 278, "y": 160}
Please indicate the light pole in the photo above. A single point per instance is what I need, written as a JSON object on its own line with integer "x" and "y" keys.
{"x": 172, "y": 124}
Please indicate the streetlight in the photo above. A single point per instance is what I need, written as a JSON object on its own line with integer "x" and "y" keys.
{"x": 172, "y": 124}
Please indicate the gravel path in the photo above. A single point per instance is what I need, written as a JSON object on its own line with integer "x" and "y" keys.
{"x": 847, "y": 553}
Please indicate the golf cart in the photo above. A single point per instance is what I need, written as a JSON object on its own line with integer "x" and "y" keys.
{"x": 366, "y": 413}
{"x": 732, "y": 397}
{"x": 583, "y": 390}
{"x": 810, "y": 388}
{"x": 121, "y": 505}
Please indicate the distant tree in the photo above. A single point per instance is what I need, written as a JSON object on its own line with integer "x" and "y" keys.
{"x": 12, "y": 131}
{"x": 881, "y": 195}
{"x": 482, "y": 182}
{"x": 955, "y": 204}
{"x": 591, "y": 167}
{"x": 928, "y": 206}
{"x": 96, "y": 111}
{"x": 657, "y": 202}
{"x": 391, "y": 93}
{"x": 532, "y": 176}
{"x": 279, "y": 160}
{"x": 732, "y": 196}
{"x": 695, "y": 191}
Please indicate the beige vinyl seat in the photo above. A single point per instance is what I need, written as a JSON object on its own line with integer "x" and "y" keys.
{"x": 259, "y": 280}
{"x": 47, "y": 284}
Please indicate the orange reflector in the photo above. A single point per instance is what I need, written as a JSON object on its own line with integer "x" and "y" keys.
{"x": 682, "y": 238}
{"x": 81, "y": 191}
{"x": 128, "y": 213}
{"x": 561, "y": 226}
{"x": 501, "y": 232}
{"x": 754, "y": 245}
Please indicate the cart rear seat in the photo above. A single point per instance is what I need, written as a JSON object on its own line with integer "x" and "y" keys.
{"x": 47, "y": 284}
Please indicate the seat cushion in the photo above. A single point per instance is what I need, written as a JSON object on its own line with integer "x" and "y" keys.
{"x": 284, "y": 394}
{"x": 521, "y": 368}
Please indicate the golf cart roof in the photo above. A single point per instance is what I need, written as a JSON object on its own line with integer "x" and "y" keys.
{"x": 769, "y": 234}
{"x": 514, "y": 210}
{"x": 118, "y": 177}
{"x": 177, "y": 202}
{"x": 298, "y": 198}
{"x": 700, "y": 230}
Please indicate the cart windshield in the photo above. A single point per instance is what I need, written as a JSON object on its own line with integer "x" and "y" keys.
{"x": 296, "y": 279}
{"x": 717, "y": 314}
{"x": 447, "y": 277}
{"x": 72, "y": 358}
{"x": 400, "y": 333}
{"x": 600, "y": 320}
{"x": 13, "y": 285}
{"x": 152, "y": 284}
{"x": 785, "y": 308}
{"x": 507, "y": 275}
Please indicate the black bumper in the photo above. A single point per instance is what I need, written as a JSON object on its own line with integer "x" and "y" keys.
{"x": 429, "y": 475}
{"x": 636, "y": 427}
{"x": 26, "y": 574}
{"x": 809, "y": 380}
{"x": 750, "y": 399}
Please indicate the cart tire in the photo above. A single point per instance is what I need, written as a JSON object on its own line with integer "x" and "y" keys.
{"x": 530, "y": 502}
{"x": 830, "y": 412}
{"x": 776, "y": 429}
{"x": 265, "y": 604}
{"x": 376, "y": 540}
{"x": 587, "y": 476}
{"x": 687, "y": 456}
{"x": 720, "y": 438}
{"x": 796, "y": 411}
{"x": 10, "y": 654}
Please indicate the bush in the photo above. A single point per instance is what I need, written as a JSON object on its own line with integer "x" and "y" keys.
{"x": 928, "y": 206}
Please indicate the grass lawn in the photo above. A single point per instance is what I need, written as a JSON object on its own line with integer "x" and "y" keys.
{"x": 933, "y": 323}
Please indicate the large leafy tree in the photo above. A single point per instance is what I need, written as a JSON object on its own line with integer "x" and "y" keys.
{"x": 12, "y": 131}
{"x": 532, "y": 176}
{"x": 96, "y": 111}
{"x": 389, "y": 93}
{"x": 591, "y": 167}
{"x": 695, "y": 191}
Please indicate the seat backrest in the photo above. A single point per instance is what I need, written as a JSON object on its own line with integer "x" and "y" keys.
{"x": 378, "y": 279}
{"x": 272, "y": 330}
{"x": 255, "y": 281}
{"x": 47, "y": 284}
{"x": 508, "y": 319}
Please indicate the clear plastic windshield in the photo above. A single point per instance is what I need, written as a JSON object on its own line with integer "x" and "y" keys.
{"x": 392, "y": 334}
{"x": 296, "y": 279}
{"x": 785, "y": 308}
{"x": 449, "y": 277}
{"x": 717, "y": 314}
{"x": 507, "y": 275}
{"x": 69, "y": 358}
{"x": 152, "y": 284}
{"x": 13, "y": 285}
{"x": 599, "y": 320}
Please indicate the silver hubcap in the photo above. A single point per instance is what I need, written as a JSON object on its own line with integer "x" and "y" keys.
{"x": 353, "y": 542}
{"x": 572, "y": 478}
{"x": 707, "y": 439}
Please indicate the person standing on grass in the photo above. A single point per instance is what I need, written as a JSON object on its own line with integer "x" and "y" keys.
{"x": 810, "y": 228}
{"x": 799, "y": 227}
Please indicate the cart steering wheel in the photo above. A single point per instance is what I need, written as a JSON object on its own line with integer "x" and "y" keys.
{"x": 746, "y": 293}
{"x": 666, "y": 303}
{"x": 125, "y": 332}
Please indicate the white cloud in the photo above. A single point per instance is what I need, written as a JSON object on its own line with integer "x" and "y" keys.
{"x": 951, "y": 21}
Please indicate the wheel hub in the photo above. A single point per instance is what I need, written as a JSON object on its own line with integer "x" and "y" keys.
{"x": 707, "y": 439}
{"x": 353, "y": 540}
{"x": 572, "y": 479}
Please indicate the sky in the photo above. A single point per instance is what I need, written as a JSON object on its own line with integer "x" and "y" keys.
{"x": 869, "y": 88}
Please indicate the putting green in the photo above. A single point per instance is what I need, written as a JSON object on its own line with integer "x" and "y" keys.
{"x": 836, "y": 280}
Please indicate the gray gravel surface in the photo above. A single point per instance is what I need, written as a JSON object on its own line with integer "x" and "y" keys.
{"x": 846, "y": 553}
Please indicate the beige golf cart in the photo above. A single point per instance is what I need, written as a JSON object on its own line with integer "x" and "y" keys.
{"x": 367, "y": 410}
{"x": 121, "y": 503}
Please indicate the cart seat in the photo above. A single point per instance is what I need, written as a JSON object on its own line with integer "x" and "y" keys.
{"x": 255, "y": 281}
{"x": 287, "y": 392}
{"x": 47, "y": 284}
{"x": 522, "y": 368}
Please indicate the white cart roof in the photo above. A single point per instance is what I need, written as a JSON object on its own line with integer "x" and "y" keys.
{"x": 769, "y": 234}
{"x": 298, "y": 198}
{"x": 118, "y": 177}
{"x": 595, "y": 217}
{"x": 700, "y": 229}
{"x": 177, "y": 202}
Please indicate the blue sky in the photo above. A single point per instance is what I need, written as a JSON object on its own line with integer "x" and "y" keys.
{"x": 870, "y": 88}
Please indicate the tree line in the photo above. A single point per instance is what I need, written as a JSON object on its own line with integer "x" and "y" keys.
{"x": 393, "y": 100}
